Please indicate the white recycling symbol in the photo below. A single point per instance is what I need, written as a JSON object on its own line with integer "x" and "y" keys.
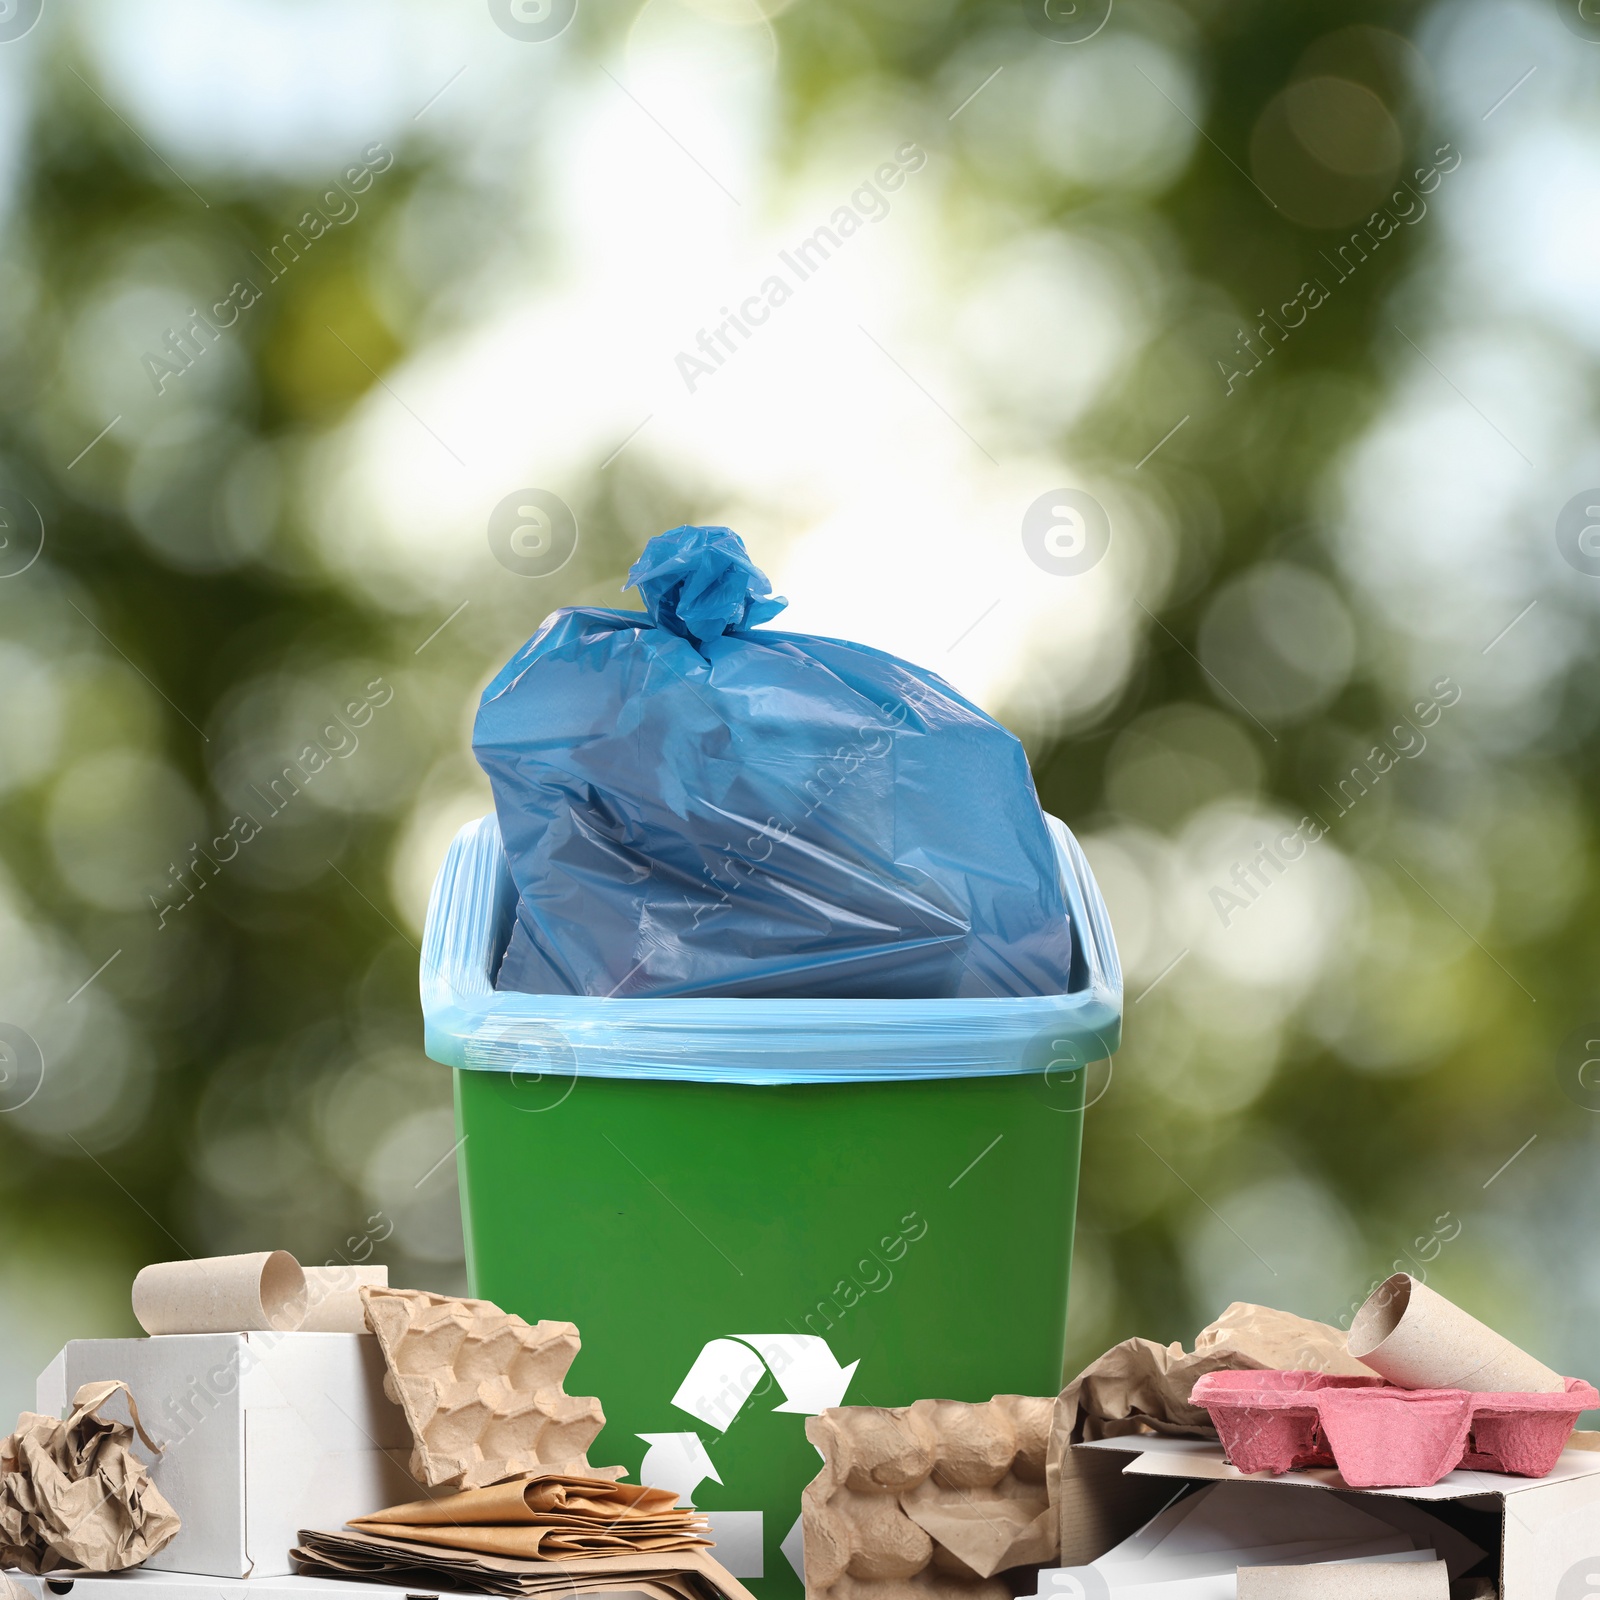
{"x": 676, "y": 1461}
{"x": 724, "y": 1375}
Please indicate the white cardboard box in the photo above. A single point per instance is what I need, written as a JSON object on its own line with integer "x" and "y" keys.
{"x": 263, "y": 1434}
{"x": 1549, "y": 1527}
{"x": 138, "y": 1583}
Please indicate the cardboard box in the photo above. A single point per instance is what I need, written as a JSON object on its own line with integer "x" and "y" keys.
{"x": 1545, "y": 1531}
{"x": 263, "y": 1434}
{"x": 141, "y": 1584}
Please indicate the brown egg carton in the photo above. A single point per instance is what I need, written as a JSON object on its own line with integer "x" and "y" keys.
{"x": 927, "y": 1501}
{"x": 481, "y": 1389}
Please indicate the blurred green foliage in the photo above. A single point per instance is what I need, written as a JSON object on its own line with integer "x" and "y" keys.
{"x": 250, "y": 1074}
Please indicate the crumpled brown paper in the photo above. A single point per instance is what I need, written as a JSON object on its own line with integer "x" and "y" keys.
{"x": 72, "y": 1493}
{"x": 1139, "y": 1386}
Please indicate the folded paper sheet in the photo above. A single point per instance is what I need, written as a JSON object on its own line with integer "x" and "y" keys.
{"x": 481, "y": 1389}
{"x": 1139, "y": 1386}
{"x": 945, "y": 1487}
{"x": 73, "y": 1494}
{"x": 684, "y": 1575}
{"x": 1414, "y": 1337}
{"x": 551, "y": 1516}
{"x": 262, "y": 1292}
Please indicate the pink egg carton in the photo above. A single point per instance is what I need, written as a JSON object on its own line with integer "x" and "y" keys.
{"x": 1383, "y": 1437}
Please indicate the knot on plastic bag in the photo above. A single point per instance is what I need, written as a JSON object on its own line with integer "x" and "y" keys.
{"x": 701, "y": 583}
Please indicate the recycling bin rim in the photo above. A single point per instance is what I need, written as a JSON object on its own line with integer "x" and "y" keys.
{"x": 469, "y": 1024}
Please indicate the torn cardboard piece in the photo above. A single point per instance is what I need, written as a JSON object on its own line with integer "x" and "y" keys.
{"x": 261, "y": 1292}
{"x": 480, "y": 1388}
{"x": 1414, "y": 1337}
{"x": 952, "y": 1489}
{"x": 687, "y": 1575}
{"x": 1140, "y": 1387}
{"x": 553, "y": 1515}
{"x": 72, "y": 1493}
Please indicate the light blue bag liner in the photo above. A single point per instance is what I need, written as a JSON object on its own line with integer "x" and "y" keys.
{"x": 468, "y": 1023}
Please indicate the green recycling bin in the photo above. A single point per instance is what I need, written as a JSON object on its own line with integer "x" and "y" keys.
{"x": 757, "y": 1209}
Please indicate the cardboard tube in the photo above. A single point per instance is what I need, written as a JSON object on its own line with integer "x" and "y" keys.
{"x": 1367, "y": 1580}
{"x": 1419, "y": 1340}
{"x": 222, "y": 1294}
{"x": 333, "y": 1298}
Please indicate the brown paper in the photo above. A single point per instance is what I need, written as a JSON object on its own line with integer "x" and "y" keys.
{"x": 73, "y": 1494}
{"x": 1414, "y": 1337}
{"x": 1139, "y": 1386}
{"x": 549, "y": 1543}
{"x": 481, "y": 1389}
{"x": 265, "y": 1291}
{"x": 590, "y": 1493}
{"x": 551, "y": 1516}
{"x": 683, "y": 1575}
{"x": 1279, "y": 1340}
{"x": 333, "y": 1297}
{"x": 1344, "y": 1580}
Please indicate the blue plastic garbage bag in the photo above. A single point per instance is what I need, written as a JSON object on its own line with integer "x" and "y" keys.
{"x": 695, "y": 805}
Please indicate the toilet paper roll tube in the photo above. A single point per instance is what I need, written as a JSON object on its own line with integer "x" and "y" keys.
{"x": 263, "y": 1291}
{"x": 1414, "y": 1337}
